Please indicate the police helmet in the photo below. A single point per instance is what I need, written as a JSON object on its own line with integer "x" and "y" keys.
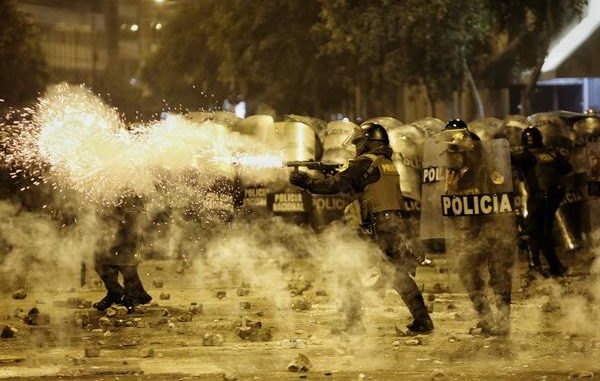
{"x": 455, "y": 124}
{"x": 531, "y": 137}
{"x": 375, "y": 132}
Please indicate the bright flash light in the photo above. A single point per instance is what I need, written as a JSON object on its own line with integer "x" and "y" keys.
{"x": 574, "y": 38}
{"x": 159, "y": 1}
{"x": 134, "y": 27}
{"x": 158, "y": 26}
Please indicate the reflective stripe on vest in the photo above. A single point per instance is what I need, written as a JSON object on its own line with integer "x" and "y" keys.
{"x": 383, "y": 194}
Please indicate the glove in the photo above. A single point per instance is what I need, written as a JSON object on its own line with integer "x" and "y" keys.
{"x": 299, "y": 179}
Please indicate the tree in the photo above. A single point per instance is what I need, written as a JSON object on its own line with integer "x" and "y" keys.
{"x": 22, "y": 66}
{"x": 266, "y": 51}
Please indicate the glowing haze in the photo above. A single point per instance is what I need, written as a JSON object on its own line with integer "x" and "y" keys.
{"x": 80, "y": 142}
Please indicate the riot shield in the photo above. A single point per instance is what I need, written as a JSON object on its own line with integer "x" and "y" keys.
{"x": 387, "y": 122}
{"x": 488, "y": 128}
{"x": 466, "y": 185}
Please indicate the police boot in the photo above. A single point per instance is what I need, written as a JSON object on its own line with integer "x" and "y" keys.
{"x": 484, "y": 313}
{"x": 107, "y": 301}
{"x": 128, "y": 303}
{"x": 422, "y": 322}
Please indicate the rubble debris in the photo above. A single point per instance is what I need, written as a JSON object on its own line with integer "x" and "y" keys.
{"x": 475, "y": 331}
{"x": 82, "y": 319}
{"x": 430, "y": 297}
{"x": 298, "y": 285}
{"x": 229, "y": 377}
{"x": 20, "y": 294}
{"x": 159, "y": 268}
{"x": 396, "y": 343}
{"x": 92, "y": 352}
{"x": 20, "y": 314}
{"x": 210, "y": 339}
{"x": 111, "y": 311}
{"x": 321, "y": 293}
{"x": 121, "y": 310}
{"x": 185, "y": 318}
{"x": 11, "y": 359}
{"x": 196, "y": 308}
{"x": 300, "y": 364}
{"x": 129, "y": 324}
{"x": 293, "y": 344}
{"x": 413, "y": 341}
{"x": 221, "y": 294}
{"x": 244, "y": 285}
{"x": 362, "y": 377}
{"x": 164, "y": 296}
{"x": 245, "y": 305}
{"x": 242, "y": 291}
{"x": 439, "y": 288}
{"x": 451, "y": 306}
{"x": 8, "y": 332}
{"x": 246, "y": 329}
{"x": 581, "y": 375}
{"x": 139, "y": 323}
{"x": 34, "y": 317}
{"x": 165, "y": 312}
{"x": 453, "y": 339}
{"x": 158, "y": 283}
{"x": 77, "y": 302}
{"x": 104, "y": 322}
{"x": 438, "y": 375}
{"x": 301, "y": 304}
{"x": 148, "y": 353}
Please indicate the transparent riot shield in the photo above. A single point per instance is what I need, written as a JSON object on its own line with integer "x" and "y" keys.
{"x": 466, "y": 183}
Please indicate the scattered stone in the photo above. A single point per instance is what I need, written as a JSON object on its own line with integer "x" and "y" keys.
{"x": 293, "y": 344}
{"x": 20, "y": 294}
{"x": 581, "y": 374}
{"x": 34, "y": 317}
{"x": 328, "y": 373}
{"x": 212, "y": 340}
{"x": 121, "y": 310}
{"x": 82, "y": 319}
{"x": 139, "y": 323}
{"x": 148, "y": 353}
{"x": 118, "y": 323}
{"x": 321, "y": 293}
{"x": 260, "y": 313}
{"x": 229, "y": 377}
{"x": 300, "y": 364}
{"x": 438, "y": 288}
{"x": 8, "y": 332}
{"x": 11, "y": 359}
{"x": 475, "y": 331}
{"x": 129, "y": 324}
{"x": 396, "y": 343}
{"x": 452, "y": 339}
{"x": 362, "y": 377}
{"x": 244, "y": 285}
{"x": 298, "y": 285}
{"x": 413, "y": 341}
{"x": 157, "y": 283}
{"x": 246, "y": 329}
{"x": 20, "y": 314}
{"x": 111, "y": 311}
{"x": 389, "y": 309}
{"x": 196, "y": 309}
{"x": 438, "y": 375}
{"x": 92, "y": 352}
{"x": 221, "y": 294}
{"x": 165, "y": 312}
{"x": 164, "y": 296}
{"x": 430, "y": 297}
{"x": 242, "y": 291}
{"x": 245, "y": 305}
{"x": 301, "y": 305}
{"x": 451, "y": 306}
{"x": 104, "y": 323}
{"x": 185, "y": 318}
{"x": 159, "y": 268}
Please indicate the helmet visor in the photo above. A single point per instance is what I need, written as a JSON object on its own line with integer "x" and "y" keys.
{"x": 353, "y": 138}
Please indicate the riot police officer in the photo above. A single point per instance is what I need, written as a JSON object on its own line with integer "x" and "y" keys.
{"x": 544, "y": 170}
{"x": 122, "y": 257}
{"x": 478, "y": 240}
{"x": 372, "y": 179}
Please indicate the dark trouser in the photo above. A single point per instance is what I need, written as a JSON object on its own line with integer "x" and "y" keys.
{"x": 392, "y": 239}
{"x": 492, "y": 247}
{"x": 541, "y": 209}
{"x": 132, "y": 285}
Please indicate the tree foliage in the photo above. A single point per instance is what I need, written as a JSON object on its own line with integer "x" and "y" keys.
{"x": 317, "y": 56}
{"x": 22, "y": 67}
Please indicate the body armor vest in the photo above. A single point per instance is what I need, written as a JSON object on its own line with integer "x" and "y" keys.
{"x": 545, "y": 172}
{"x": 383, "y": 194}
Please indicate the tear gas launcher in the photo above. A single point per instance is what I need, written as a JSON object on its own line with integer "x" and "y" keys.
{"x": 325, "y": 168}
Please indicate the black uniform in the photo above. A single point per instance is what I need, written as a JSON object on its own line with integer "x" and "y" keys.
{"x": 122, "y": 257}
{"x": 372, "y": 178}
{"x": 482, "y": 243}
{"x": 543, "y": 170}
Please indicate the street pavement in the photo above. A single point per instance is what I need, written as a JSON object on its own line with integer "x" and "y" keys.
{"x": 203, "y": 326}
